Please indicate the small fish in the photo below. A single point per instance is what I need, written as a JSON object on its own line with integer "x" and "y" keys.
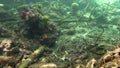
{"x": 1, "y": 5}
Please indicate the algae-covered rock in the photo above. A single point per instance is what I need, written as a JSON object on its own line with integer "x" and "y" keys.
{"x": 38, "y": 26}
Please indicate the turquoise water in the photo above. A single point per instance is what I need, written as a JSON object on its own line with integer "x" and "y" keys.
{"x": 76, "y": 17}
{"x": 69, "y": 28}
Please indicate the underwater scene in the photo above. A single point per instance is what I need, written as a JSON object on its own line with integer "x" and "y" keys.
{"x": 59, "y": 33}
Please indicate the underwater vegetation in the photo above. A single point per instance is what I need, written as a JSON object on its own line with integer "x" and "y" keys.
{"x": 59, "y": 34}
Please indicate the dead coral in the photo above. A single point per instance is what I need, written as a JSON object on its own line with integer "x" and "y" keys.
{"x": 110, "y": 59}
{"x": 91, "y": 63}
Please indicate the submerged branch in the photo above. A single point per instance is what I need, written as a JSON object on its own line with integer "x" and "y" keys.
{"x": 73, "y": 20}
{"x": 99, "y": 36}
{"x": 29, "y": 60}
